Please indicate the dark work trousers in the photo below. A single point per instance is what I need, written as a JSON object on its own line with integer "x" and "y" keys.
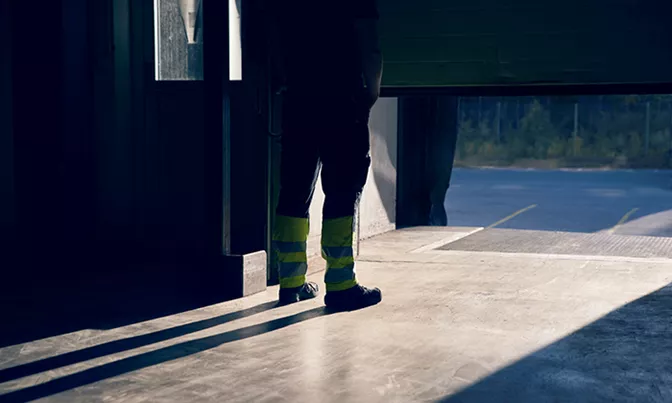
{"x": 329, "y": 135}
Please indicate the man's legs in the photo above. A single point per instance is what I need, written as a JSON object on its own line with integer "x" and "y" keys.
{"x": 298, "y": 173}
{"x": 346, "y": 159}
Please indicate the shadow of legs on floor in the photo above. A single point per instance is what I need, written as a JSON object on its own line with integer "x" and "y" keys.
{"x": 155, "y": 357}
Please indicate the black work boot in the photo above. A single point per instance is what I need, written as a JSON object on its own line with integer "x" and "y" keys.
{"x": 291, "y": 295}
{"x": 354, "y": 298}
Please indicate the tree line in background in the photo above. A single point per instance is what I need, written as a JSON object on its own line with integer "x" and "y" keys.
{"x": 632, "y": 131}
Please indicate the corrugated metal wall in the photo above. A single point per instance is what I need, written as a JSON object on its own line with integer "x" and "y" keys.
{"x": 495, "y": 42}
{"x": 6, "y": 129}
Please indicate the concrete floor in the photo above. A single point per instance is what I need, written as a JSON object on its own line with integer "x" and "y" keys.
{"x": 454, "y": 326}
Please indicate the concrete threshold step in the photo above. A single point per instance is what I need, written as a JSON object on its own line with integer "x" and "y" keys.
{"x": 563, "y": 243}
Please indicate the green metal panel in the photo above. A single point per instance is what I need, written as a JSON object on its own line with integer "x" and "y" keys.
{"x": 512, "y": 42}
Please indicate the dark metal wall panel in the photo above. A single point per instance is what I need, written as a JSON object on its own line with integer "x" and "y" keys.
{"x": 426, "y": 147}
{"x": 38, "y": 124}
{"x": 6, "y": 126}
{"x": 111, "y": 42}
{"x": 249, "y": 135}
{"x": 151, "y": 147}
{"x": 171, "y": 199}
{"x": 512, "y": 42}
{"x": 78, "y": 141}
{"x": 216, "y": 126}
{"x": 249, "y": 159}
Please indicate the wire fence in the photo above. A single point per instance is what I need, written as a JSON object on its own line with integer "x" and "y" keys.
{"x": 591, "y": 131}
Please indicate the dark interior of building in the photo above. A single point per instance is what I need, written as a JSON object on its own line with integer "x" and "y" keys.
{"x": 139, "y": 161}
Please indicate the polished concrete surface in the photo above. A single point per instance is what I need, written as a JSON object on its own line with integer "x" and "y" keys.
{"x": 454, "y": 326}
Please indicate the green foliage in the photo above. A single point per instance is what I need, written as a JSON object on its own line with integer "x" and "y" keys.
{"x": 613, "y": 129}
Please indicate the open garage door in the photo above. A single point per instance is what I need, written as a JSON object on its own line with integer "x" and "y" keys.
{"x": 439, "y": 43}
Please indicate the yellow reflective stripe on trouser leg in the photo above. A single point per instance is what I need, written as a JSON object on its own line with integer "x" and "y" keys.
{"x": 289, "y": 241}
{"x": 337, "y": 232}
{"x": 291, "y": 229}
{"x": 337, "y": 237}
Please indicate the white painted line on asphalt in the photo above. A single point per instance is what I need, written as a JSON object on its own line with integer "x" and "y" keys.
{"x": 623, "y": 220}
{"x": 516, "y": 214}
{"x": 447, "y": 240}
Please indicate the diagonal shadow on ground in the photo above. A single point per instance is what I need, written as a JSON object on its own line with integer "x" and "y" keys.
{"x": 117, "y": 346}
{"x": 626, "y": 356}
{"x": 155, "y": 357}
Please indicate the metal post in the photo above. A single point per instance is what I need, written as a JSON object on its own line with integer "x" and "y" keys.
{"x": 517, "y": 120}
{"x": 669, "y": 152}
{"x": 217, "y": 123}
{"x": 459, "y": 111}
{"x": 576, "y": 127}
{"x": 647, "y": 131}
{"x": 498, "y": 129}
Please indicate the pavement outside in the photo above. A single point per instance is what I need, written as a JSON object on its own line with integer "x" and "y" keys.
{"x": 570, "y": 201}
{"x": 461, "y": 325}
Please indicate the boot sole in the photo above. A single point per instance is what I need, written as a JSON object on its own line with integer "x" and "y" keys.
{"x": 350, "y": 308}
{"x": 296, "y": 298}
